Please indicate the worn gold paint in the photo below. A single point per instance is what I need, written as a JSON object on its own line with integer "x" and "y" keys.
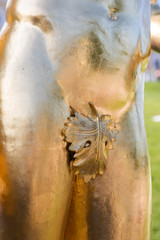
{"x": 56, "y": 54}
{"x": 40, "y": 21}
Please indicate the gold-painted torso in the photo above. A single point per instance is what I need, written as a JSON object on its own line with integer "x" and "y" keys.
{"x": 56, "y": 54}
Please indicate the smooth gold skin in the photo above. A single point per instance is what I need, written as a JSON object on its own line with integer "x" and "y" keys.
{"x": 35, "y": 177}
{"x": 155, "y": 26}
{"x": 56, "y": 54}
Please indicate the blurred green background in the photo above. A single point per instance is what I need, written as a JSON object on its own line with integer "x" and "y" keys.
{"x": 151, "y": 108}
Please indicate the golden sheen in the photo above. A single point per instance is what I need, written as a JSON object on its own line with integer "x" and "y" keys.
{"x": 57, "y": 54}
{"x": 155, "y": 26}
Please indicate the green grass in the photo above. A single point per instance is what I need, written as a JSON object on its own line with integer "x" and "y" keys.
{"x": 152, "y": 107}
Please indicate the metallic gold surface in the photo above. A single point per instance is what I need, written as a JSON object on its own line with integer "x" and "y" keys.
{"x": 90, "y": 138}
{"x": 56, "y": 54}
{"x": 155, "y": 26}
{"x": 35, "y": 176}
{"x": 117, "y": 204}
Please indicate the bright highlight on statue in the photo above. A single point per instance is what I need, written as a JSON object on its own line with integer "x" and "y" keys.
{"x": 58, "y": 178}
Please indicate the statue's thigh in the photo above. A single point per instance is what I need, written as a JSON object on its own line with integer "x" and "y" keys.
{"x": 116, "y": 205}
{"x": 35, "y": 176}
{"x": 35, "y": 180}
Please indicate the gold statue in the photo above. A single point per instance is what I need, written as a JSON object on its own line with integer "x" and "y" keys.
{"x": 155, "y": 26}
{"x": 71, "y": 82}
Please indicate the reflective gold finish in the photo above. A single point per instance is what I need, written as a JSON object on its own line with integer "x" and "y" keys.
{"x": 91, "y": 138}
{"x": 56, "y": 54}
{"x": 155, "y": 26}
{"x": 35, "y": 175}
